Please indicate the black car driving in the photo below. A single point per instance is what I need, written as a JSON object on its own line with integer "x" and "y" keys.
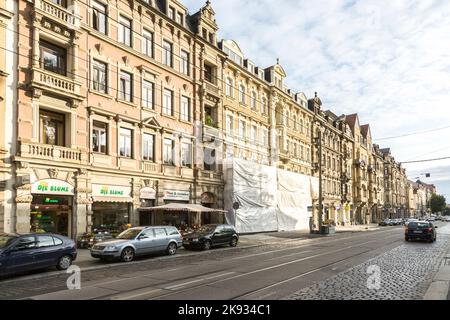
{"x": 26, "y": 252}
{"x": 420, "y": 230}
{"x": 211, "y": 235}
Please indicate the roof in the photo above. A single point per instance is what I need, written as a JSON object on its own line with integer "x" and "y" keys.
{"x": 364, "y": 130}
{"x": 386, "y": 150}
{"x": 351, "y": 120}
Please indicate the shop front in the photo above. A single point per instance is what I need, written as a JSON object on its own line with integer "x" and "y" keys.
{"x": 147, "y": 198}
{"x": 111, "y": 208}
{"x": 209, "y": 200}
{"x": 52, "y": 207}
{"x": 179, "y": 218}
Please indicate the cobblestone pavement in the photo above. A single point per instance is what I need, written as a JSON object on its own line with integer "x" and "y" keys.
{"x": 405, "y": 273}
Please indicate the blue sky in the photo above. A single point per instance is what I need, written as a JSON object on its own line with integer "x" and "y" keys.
{"x": 387, "y": 60}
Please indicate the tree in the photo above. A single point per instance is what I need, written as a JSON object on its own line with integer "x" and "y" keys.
{"x": 437, "y": 203}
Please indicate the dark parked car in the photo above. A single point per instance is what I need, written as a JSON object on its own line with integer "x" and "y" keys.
{"x": 385, "y": 223}
{"x": 211, "y": 235}
{"x": 27, "y": 252}
{"x": 88, "y": 239}
{"x": 420, "y": 230}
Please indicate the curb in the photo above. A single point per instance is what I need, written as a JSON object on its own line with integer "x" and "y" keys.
{"x": 440, "y": 286}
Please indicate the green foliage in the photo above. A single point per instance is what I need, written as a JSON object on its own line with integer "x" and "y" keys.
{"x": 437, "y": 203}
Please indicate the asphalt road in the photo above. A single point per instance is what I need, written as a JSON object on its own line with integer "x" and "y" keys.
{"x": 269, "y": 272}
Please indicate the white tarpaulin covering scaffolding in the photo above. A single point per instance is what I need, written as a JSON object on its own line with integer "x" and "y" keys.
{"x": 269, "y": 199}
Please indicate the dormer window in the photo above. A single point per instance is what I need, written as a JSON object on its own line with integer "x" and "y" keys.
{"x": 180, "y": 18}
{"x": 171, "y": 13}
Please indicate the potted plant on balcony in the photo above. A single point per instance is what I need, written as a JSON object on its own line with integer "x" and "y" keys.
{"x": 209, "y": 121}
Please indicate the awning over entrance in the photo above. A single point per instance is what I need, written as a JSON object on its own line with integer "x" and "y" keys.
{"x": 182, "y": 207}
{"x": 112, "y": 199}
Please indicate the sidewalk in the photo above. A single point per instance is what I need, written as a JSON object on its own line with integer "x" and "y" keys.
{"x": 440, "y": 286}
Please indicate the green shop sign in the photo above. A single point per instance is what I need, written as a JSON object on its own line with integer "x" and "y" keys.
{"x": 52, "y": 186}
{"x": 101, "y": 190}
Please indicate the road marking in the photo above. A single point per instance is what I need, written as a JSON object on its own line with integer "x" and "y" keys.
{"x": 271, "y": 267}
{"x": 128, "y": 297}
{"x": 198, "y": 280}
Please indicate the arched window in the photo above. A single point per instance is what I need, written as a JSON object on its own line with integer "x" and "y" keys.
{"x": 229, "y": 87}
{"x": 253, "y": 101}
{"x": 242, "y": 94}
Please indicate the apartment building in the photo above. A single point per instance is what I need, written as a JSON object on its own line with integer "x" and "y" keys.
{"x": 8, "y": 9}
{"x": 111, "y": 99}
{"x": 121, "y": 106}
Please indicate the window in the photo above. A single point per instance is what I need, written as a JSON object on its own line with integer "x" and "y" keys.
{"x": 53, "y": 58}
{"x": 125, "y": 142}
{"x": 242, "y": 94}
{"x": 125, "y": 89}
{"x": 62, "y": 3}
{"x": 99, "y": 135}
{"x": 168, "y": 102}
{"x": 180, "y": 18}
{"x": 147, "y": 43}
{"x": 185, "y": 109}
{"x": 167, "y": 53}
{"x": 264, "y": 106}
{"x": 253, "y": 101}
{"x": 100, "y": 78}
{"x": 52, "y": 128}
{"x": 186, "y": 155}
{"x": 27, "y": 242}
{"x": 229, "y": 87}
{"x": 286, "y": 118}
{"x": 209, "y": 159}
{"x": 168, "y": 152}
{"x": 160, "y": 233}
{"x": 99, "y": 21}
{"x": 229, "y": 127}
{"x": 265, "y": 137}
{"x": 147, "y": 94}
{"x": 57, "y": 241}
{"x": 242, "y": 129}
{"x": 171, "y": 13}
{"x": 302, "y": 155}
{"x": 301, "y": 126}
{"x": 148, "y": 150}
{"x": 184, "y": 67}
{"x": 125, "y": 31}
{"x": 45, "y": 241}
{"x": 209, "y": 73}
{"x": 295, "y": 121}
{"x": 254, "y": 134}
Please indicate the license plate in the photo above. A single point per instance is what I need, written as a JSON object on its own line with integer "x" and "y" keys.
{"x": 417, "y": 231}
{"x": 185, "y": 242}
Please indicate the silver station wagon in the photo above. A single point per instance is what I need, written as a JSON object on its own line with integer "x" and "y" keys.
{"x": 137, "y": 242}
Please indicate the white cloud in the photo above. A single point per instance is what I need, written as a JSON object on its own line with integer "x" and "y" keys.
{"x": 388, "y": 60}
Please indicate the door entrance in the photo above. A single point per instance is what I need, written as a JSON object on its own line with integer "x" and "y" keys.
{"x": 51, "y": 214}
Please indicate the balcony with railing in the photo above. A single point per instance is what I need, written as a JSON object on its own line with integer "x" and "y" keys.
{"x": 51, "y": 152}
{"x": 209, "y": 175}
{"x": 63, "y": 16}
{"x": 56, "y": 83}
{"x": 150, "y": 167}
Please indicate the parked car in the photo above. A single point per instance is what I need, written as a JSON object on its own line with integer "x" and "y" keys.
{"x": 137, "y": 242}
{"x": 28, "y": 252}
{"x": 410, "y": 220}
{"x": 385, "y": 223}
{"x": 211, "y": 235}
{"x": 88, "y": 239}
{"x": 420, "y": 230}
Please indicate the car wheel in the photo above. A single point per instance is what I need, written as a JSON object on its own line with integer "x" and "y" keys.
{"x": 127, "y": 255}
{"x": 233, "y": 242}
{"x": 64, "y": 262}
{"x": 171, "y": 249}
{"x": 207, "y": 245}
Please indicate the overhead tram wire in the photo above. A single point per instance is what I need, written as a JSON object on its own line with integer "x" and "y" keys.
{"x": 427, "y": 160}
{"x": 412, "y": 134}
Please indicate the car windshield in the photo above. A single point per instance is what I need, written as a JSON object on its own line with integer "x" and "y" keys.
{"x": 129, "y": 234}
{"x": 419, "y": 225}
{"x": 5, "y": 240}
{"x": 206, "y": 229}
